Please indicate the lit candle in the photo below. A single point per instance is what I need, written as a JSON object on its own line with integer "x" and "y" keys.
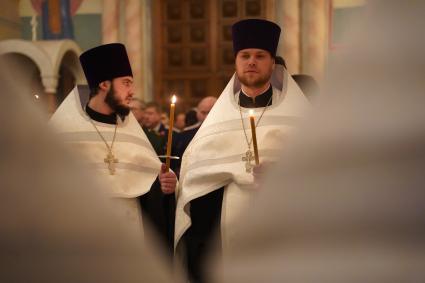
{"x": 170, "y": 132}
{"x": 254, "y": 137}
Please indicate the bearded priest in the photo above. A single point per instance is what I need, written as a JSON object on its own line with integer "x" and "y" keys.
{"x": 98, "y": 125}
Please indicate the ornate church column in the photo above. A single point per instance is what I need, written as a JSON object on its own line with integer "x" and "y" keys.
{"x": 110, "y": 21}
{"x": 147, "y": 54}
{"x": 315, "y": 29}
{"x": 133, "y": 41}
{"x": 288, "y": 17}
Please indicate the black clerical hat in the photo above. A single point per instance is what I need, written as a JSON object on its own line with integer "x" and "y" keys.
{"x": 255, "y": 33}
{"x": 105, "y": 62}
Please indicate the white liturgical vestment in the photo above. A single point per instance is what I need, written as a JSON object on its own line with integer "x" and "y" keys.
{"x": 215, "y": 157}
{"x": 137, "y": 165}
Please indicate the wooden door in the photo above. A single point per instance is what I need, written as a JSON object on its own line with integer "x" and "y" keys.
{"x": 193, "y": 46}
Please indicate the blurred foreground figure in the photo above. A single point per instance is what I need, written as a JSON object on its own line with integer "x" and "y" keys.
{"x": 56, "y": 223}
{"x": 349, "y": 192}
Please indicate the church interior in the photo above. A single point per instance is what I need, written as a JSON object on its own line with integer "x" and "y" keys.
{"x": 181, "y": 47}
{"x": 332, "y": 192}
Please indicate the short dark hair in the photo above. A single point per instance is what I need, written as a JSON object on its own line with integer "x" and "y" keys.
{"x": 191, "y": 118}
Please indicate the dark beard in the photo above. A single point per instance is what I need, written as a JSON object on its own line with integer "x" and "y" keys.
{"x": 110, "y": 99}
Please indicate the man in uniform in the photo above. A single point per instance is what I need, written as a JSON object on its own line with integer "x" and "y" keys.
{"x": 216, "y": 173}
{"x": 109, "y": 138}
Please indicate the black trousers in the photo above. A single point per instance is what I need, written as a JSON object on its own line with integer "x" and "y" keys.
{"x": 160, "y": 209}
{"x": 205, "y": 214}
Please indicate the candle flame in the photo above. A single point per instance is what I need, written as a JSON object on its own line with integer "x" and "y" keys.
{"x": 173, "y": 99}
{"x": 36, "y": 96}
{"x": 251, "y": 113}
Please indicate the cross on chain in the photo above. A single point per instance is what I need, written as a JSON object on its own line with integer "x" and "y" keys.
{"x": 110, "y": 159}
{"x": 248, "y": 158}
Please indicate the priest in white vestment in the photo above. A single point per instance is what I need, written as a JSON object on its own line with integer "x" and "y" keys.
{"x": 217, "y": 168}
{"x": 346, "y": 202}
{"x": 57, "y": 222}
{"x": 101, "y": 128}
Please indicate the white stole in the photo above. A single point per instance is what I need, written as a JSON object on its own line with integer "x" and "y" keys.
{"x": 137, "y": 167}
{"x": 213, "y": 159}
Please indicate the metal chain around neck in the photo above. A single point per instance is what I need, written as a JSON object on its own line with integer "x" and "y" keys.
{"x": 104, "y": 140}
{"x": 249, "y": 142}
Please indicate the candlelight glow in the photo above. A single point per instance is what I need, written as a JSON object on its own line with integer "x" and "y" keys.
{"x": 36, "y": 96}
{"x": 254, "y": 136}
{"x": 170, "y": 131}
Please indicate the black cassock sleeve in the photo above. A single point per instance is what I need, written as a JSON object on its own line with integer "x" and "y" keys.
{"x": 160, "y": 209}
{"x": 198, "y": 240}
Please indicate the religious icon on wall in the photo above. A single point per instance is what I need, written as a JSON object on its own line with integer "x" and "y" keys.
{"x": 56, "y": 17}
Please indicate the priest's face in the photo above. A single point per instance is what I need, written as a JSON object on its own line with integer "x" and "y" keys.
{"x": 120, "y": 94}
{"x": 254, "y": 67}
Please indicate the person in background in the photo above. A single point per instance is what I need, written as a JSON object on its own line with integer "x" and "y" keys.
{"x": 164, "y": 118}
{"x": 204, "y": 108}
{"x": 191, "y": 118}
{"x": 138, "y": 107}
{"x": 180, "y": 124}
{"x": 154, "y": 129}
{"x": 184, "y": 138}
{"x": 157, "y": 131}
{"x": 152, "y": 118}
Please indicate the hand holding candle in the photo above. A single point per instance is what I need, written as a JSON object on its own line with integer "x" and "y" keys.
{"x": 254, "y": 137}
{"x": 170, "y": 133}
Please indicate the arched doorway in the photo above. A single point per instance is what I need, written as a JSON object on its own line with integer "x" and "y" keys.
{"x": 30, "y": 75}
{"x": 57, "y": 63}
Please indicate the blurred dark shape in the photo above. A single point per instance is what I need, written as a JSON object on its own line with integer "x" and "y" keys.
{"x": 307, "y": 84}
{"x": 57, "y": 224}
{"x": 191, "y": 118}
{"x": 280, "y": 61}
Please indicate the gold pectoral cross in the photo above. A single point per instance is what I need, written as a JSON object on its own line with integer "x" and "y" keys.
{"x": 248, "y": 158}
{"x": 110, "y": 159}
